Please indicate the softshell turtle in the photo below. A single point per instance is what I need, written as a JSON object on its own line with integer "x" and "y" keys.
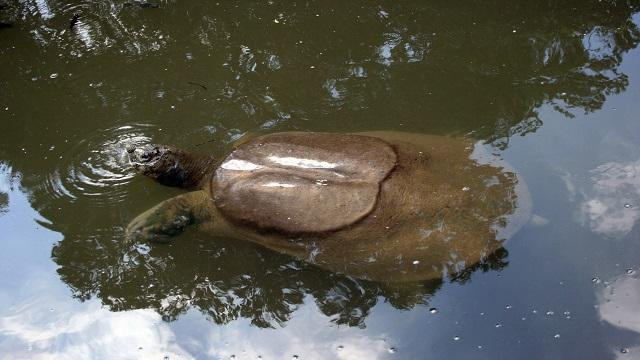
{"x": 385, "y": 206}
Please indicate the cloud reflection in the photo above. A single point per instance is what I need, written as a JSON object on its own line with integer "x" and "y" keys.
{"x": 343, "y": 343}
{"x": 619, "y": 303}
{"x": 35, "y": 330}
{"x": 619, "y": 306}
{"x": 612, "y": 205}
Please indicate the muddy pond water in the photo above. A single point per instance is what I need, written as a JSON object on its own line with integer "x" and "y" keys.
{"x": 553, "y": 88}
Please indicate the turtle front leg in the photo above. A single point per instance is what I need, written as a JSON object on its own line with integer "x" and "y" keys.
{"x": 168, "y": 219}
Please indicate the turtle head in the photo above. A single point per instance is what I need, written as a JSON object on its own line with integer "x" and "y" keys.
{"x": 167, "y": 165}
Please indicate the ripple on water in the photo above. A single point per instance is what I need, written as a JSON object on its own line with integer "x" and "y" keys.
{"x": 97, "y": 168}
{"x": 91, "y": 27}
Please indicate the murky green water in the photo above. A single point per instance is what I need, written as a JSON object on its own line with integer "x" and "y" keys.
{"x": 552, "y": 87}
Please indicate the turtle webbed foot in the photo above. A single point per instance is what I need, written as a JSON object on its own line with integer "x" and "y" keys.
{"x": 159, "y": 224}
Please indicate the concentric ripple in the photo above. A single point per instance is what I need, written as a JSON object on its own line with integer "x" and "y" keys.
{"x": 97, "y": 169}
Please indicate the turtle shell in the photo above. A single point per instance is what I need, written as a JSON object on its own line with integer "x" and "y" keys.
{"x": 302, "y": 182}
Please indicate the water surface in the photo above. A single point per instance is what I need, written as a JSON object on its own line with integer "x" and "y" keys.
{"x": 551, "y": 87}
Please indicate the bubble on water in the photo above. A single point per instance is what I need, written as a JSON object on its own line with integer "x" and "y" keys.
{"x": 456, "y": 338}
{"x": 556, "y": 336}
{"x": 433, "y": 310}
{"x": 392, "y": 350}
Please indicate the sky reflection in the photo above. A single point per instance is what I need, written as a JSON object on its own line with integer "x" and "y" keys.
{"x": 612, "y": 206}
{"x": 38, "y": 329}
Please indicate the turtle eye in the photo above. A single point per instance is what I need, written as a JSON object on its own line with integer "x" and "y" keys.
{"x": 145, "y": 156}
{"x": 150, "y": 155}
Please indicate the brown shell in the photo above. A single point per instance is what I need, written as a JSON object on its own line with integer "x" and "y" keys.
{"x": 302, "y": 182}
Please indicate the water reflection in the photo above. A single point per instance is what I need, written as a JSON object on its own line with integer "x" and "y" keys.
{"x": 38, "y": 329}
{"x": 618, "y": 306}
{"x": 227, "y": 280}
{"x": 4, "y": 203}
{"x": 8, "y": 180}
{"x": 210, "y": 72}
{"x": 611, "y": 206}
{"x": 332, "y": 343}
{"x": 427, "y": 67}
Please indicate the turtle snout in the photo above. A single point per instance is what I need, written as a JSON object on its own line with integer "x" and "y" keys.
{"x": 144, "y": 155}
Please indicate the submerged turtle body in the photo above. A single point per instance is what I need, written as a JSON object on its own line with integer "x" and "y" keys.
{"x": 383, "y": 206}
